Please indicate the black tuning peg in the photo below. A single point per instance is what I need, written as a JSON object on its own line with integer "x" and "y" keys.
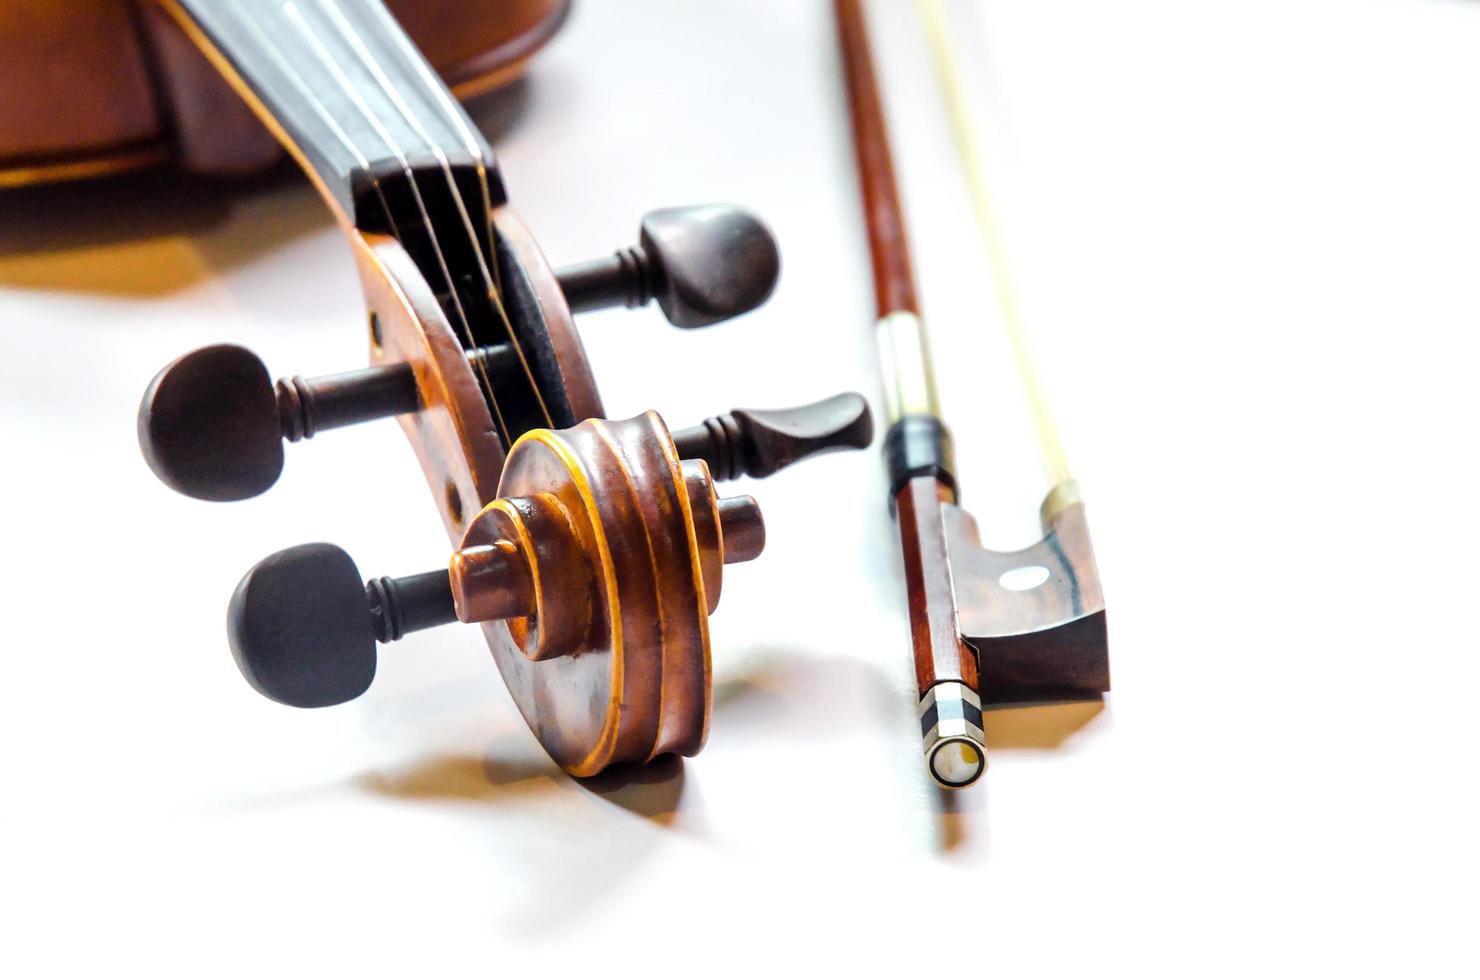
{"x": 703, "y": 264}
{"x": 303, "y": 624}
{"x": 748, "y": 442}
{"x": 212, "y": 423}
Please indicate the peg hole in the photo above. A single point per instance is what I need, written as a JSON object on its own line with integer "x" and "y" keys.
{"x": 1024, "y": 579}
{"x": 375, "y": 337}
{"x": 454, "y": 503}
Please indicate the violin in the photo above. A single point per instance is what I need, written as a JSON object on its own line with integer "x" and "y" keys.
{"x": 590, "y": 551}
{"x": 126, "y": 90}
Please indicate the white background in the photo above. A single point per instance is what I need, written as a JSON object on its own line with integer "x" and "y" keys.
{"x": 1248, "y": 237}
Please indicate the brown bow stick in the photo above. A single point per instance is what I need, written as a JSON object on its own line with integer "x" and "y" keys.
{"x": 989, "y": 628}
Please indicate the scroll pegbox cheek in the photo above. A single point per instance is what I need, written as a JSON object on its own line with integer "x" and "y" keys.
{"x": 459, "y": 434}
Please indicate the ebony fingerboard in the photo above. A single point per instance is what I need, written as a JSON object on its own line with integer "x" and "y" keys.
{"x": 348, "y": 93}
{"x": 343, "y": 85}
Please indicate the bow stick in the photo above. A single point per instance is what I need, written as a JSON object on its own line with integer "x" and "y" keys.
{"x": 988, "y": 628}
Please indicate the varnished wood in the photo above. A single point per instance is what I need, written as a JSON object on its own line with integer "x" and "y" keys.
{"x": 1042, "y": 644}
{"x": 650, "y": 530}
{"x": 75, "y": 89}
{"x": 750, "y": 442}
{"x": 478, "y": 45}
{"x": 454, "y": 435}
{"x": 894, "y": 278}
{"x": 213, "y": 130}
{"x": 623, "y": 547}
{"x": 935, "y": 631}
{"x": 96, "y": 87}
{"x": 362, "y": 112}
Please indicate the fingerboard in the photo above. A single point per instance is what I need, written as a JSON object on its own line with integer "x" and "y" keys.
{"x": 344, "y": 87}
{"x": 348, "y": 93}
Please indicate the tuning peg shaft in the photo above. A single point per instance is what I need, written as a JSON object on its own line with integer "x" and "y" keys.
{"x": 409, "y": 603}
{"x": 702, "y": 264}
{"x": 750, "y": 442}
{"x": 308, "y": 406}
{"x": 212, "y": 423}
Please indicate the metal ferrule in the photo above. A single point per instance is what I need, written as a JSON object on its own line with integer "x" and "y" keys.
{"x": 951, "y": 720}
{"x": 904, "y": 356}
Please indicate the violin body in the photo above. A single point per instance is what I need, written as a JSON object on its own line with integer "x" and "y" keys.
{"x": 93, "y": 87}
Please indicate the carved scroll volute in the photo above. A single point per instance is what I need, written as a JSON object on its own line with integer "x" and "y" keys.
{"x": 557, "y": 608}
{"x": 708, "y": 531}
{"x": 616, "y": 538}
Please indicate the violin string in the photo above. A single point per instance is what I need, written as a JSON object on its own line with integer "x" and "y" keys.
{"x": 454, "y": 114}
{"x": 333, "y": 66}
{"x": 271, "y": 49}
{"x": 968, "y": 151}
{"x": 326, "y": 58}
{"x": 348, "y": 32}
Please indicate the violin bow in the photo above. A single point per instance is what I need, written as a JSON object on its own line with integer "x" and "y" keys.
{"x": 989, "y": 628}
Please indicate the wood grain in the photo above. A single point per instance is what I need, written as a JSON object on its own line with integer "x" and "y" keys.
{"x": 107, "y": 85}
{"x": 894, "y": 278}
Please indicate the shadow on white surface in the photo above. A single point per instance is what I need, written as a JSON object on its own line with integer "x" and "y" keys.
{"x": 467, "y": 778}
{"x": 794, "y": 693}
{"x": 165, "y": 231}
{"x": 559, "y": 847}
{"x": 652, "y": 792}
{"x": 1039, "y": 726}
{"x": 961, "y": 816}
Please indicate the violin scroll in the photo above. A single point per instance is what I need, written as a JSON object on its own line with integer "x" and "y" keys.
{"x": 590, "y": 553}
{"x": 597, "y": 567}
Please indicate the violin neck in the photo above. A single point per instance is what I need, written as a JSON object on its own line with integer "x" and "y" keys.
{"x": 345, "y": 90}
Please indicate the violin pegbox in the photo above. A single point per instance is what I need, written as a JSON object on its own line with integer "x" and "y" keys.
{"x": 212, "y": 422}
{"x": 591, "y": 553}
